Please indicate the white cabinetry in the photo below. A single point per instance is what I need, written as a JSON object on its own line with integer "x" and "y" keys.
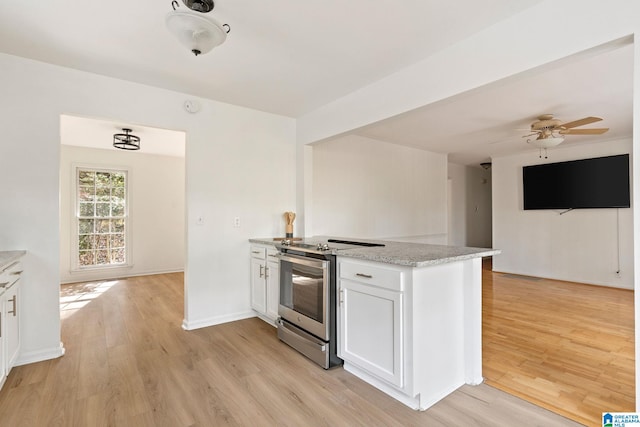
{"x": 412, "y": 332}
{"x": 371, "y": 320}
{"x": 9, "y": 317}
{"x": 265, "y": 278}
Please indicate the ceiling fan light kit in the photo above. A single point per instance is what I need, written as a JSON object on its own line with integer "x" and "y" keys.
{"x": 198, "y": 33}
{"x": 549, "y": 132}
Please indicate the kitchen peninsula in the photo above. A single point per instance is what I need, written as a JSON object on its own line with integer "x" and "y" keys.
{"x": 409, "y": 317}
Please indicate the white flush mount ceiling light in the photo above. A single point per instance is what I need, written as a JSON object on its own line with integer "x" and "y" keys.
{"x": 193, "y": 30}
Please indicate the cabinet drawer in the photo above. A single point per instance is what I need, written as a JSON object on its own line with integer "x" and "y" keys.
{"x": 10, "y": 274}
{"x": 373, "y": 274}
{"x": 258, "y": 252}
{"x": 13, "y": 268}
{"x": 272, "y": 255}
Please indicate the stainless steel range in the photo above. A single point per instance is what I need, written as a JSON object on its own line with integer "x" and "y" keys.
{"x": 307, "y": 309}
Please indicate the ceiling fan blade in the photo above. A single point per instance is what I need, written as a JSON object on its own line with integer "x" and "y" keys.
{"x": 580, "y": 122}
{"x": 595, "y": 131}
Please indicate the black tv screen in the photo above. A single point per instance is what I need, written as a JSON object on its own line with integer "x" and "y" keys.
{"x": 601, "y": 182}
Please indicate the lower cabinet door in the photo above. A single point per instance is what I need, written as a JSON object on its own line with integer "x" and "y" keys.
{"x": 258, "y": 286}
{"x": 273, "y": 288}
{"x": 12, "y": 324}
{"x": 371, "y": 330}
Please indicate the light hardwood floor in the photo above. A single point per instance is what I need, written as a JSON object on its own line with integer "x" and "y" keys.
{"x": 567, "y": 347}
{"x": 128, "y": 363}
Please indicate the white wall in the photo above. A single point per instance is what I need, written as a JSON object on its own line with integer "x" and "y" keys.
{"x": 580, "y": 245}
{"x": 367, "y": 188}
{"x": 238, "y": 163}
{"x": 470, "y": 204}
{"x": 457, "y": 204}
{"x": 156, "y": 211}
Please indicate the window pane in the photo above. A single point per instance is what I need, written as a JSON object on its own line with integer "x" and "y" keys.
{"x": 117, "y": 209}
{"x": 85, "y": 226}
{"x": 117, "y": 226}
{"x": 117, "y": 195}
{"x": 103, "y": 179}
{"x": 117, "y": 179}
{"x": 102, "y": 225}
{"x": 103, "y": 194}
{"x": 117, "y": 256}
{"x": 85, "y": 194}
{"x": 86, "y": 178}
{"x": 87, "y": 241}
{"x": 102, "y": 209}
{"x": 102, "y": 241}
{"x": 87, "y": 209}
{"x": 117, "y": 241}
{"x": 102, "y": 257}
{"x": 86, "y": 258}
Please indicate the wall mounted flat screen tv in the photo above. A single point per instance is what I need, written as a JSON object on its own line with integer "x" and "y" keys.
{"x": 601, "y": 182}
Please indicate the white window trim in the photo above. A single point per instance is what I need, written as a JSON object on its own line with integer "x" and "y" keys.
{"x": 75, "y": 207}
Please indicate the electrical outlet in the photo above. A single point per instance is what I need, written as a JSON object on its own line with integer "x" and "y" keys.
{"x": 236, "y": 222}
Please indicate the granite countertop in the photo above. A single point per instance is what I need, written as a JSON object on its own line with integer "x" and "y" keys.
{"x": 7, "y": 257}
{"x": 401, "y": 253}
{"x": 416, "y": 254}
{"x": 264, "y": 240}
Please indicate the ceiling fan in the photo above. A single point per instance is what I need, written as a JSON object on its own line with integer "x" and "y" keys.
{"x": 548, "y": 128}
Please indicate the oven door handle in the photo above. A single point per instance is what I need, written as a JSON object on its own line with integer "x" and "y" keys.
{"x": 311, "y": 262}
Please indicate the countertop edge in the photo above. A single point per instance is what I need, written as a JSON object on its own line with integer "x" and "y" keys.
{"x": 263, "y": 241}
{"x": 405, "y": 253}
{"x": 417, "y": 264}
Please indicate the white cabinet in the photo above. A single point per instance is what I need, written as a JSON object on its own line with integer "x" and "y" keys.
{"x": 371, "y": 320}
{"x": 9, "y": 316}
{"x": 413, "y": 332}
{"x": 265, "y": 278}
{"x": 272, "y": 277}
{"x": 258, "y": 284}
{"x": 11, "y": 300}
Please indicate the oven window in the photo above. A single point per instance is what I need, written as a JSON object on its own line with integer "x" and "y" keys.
{"x": 301, "y": 289}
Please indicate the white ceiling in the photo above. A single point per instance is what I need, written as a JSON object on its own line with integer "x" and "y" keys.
{"x": 491, "y": 121}
{"x": 289, "y": 57}
{"x": 96, "y": 133}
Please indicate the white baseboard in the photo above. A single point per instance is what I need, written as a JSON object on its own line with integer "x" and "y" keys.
{"x": 111, "y": 274}
{"x": 38, "y": 356}
{"x": 216, "y": 320}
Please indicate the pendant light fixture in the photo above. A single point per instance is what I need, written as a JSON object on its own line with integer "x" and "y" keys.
{"x": 126, "y": 141}
{"x": 198, "y": 33}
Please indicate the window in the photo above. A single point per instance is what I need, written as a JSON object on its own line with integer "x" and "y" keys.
{"x": 101, "y": 213}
